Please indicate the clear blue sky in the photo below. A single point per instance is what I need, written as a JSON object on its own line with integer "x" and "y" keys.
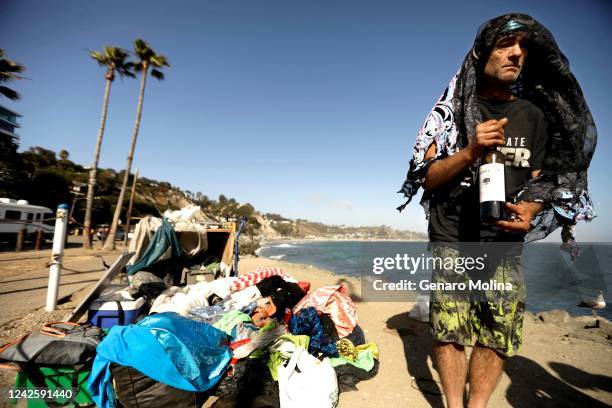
{"x": 304, "y": 108}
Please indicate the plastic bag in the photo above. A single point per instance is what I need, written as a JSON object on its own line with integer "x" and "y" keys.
{"x": 420, "y": 310}
{"x": 307, "y": 382}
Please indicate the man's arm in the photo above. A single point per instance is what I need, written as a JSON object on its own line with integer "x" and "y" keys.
{"x": 523, "y": 211}
{"x": 488, "y": 134}
{"x": 442, "y": 171}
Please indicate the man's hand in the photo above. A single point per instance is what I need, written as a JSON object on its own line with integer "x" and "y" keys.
{"x": 489, "y": 134}
{"x": 523, "y": 213}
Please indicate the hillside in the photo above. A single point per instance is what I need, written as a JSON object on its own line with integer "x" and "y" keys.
{"x": 276, "y": 226}
{"x": 44, "y": 177}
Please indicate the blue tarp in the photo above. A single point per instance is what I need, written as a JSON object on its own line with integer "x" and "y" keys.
{"x": 166, "y": 347}
{"x": 164, "y": 238}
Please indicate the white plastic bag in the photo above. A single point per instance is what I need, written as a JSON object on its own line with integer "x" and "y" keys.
{"x": 420, "y": 310}
{"x": 307, "y": 382}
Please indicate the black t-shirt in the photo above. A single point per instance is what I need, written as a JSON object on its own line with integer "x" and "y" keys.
{"x": 455, "y": 209}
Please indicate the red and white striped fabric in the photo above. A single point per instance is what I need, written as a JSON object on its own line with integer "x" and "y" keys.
{"x": 253, "y": 278}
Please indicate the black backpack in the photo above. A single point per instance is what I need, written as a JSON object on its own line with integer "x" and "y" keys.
{"x": 60, "y": 343}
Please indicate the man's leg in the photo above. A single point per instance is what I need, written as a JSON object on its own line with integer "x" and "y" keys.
{"x": 485, "y": 369}
{"x": 498, "y": 323}
{"x": 450, "y": 323}
{"x": 452, "y": 367}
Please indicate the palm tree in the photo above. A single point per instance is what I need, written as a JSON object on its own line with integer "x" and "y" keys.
{"x": 147, "y": 58}
{"x": 9, "y": 70}
{"x": 114, "y": 60}
{"x": 64, "y": 154}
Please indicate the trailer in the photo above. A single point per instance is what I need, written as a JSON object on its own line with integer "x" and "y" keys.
{"x": 19, "y": 214}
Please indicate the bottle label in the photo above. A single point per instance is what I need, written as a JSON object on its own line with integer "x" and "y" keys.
{"x": 492, "y": 183}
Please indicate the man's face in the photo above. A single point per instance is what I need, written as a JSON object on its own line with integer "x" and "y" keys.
{"x": 507, "y": 58}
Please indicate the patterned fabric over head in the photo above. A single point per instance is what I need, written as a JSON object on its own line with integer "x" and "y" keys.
{"x": 547, "y": 82}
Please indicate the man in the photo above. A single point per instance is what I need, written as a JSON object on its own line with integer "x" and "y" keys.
{"x": 514, "y": 92}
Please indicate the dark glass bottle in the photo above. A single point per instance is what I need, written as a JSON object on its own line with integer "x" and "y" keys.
{"x": 492, "y": 186}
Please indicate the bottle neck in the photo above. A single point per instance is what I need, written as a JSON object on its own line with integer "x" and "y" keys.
{"x": 492, "y": 155}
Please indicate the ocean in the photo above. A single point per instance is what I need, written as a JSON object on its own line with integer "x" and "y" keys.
{"x": 553, "y": 281}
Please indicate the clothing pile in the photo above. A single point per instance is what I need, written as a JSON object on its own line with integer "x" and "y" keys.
{"x": 257, "y": 340}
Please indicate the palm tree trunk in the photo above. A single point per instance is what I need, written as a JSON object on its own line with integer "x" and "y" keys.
{"x": 110, "y": 240}
{"x": 94, "y": 167}
{"x": 128, "y": 217}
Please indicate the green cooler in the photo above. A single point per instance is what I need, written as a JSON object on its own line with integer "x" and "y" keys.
{"x": 57, "y": 378}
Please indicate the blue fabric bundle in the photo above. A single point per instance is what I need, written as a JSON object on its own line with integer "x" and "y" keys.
{"x": 164, "y": 238}
{"x": 166, "y": 347}
{"x": 307, "y": 321}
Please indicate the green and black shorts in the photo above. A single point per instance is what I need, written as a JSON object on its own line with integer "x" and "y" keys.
{"x": 492, "y": 318}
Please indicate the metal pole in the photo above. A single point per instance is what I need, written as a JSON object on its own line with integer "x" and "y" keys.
{"x": 57, "y": 255}
{"x": 129, "y": 212}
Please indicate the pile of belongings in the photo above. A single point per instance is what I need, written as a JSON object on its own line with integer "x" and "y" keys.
{"x": 164, "y": 246}
{"x": 189, "y": 224}
{"x": 262, "y": 339}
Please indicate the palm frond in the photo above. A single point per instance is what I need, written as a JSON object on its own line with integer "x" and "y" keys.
{"x": 11, "y": 66}
{"x": 157, "y": 74}
{"x": 140, "y": 44}
{"x": 114, "y": 59}
{"x": 9, "y": 70}
{"x": 148, "y": 57}
{"x": 7, "y": 75}
{"x": 123, "y": 66}
{"x": 143, "y": 50}
{"x": 159, "y": 61}
{"x": 110, "y": 52}
{"x": 138, "y": 66}
{"x": 126, "y": 71}
{"x": 116, "y": 53}
{"x": 9, "y": 93}
{"x": 99, "y": 57}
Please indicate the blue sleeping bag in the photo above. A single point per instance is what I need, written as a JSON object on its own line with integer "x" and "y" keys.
{"x": 166, "y": 347}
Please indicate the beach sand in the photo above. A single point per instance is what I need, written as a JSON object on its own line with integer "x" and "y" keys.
{"x": 560, "y": 363}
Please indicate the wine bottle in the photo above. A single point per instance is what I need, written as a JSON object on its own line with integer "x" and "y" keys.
{"x": 492, "y": 186}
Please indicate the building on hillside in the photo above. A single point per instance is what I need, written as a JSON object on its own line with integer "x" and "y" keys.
{"x": 8, "y": 122}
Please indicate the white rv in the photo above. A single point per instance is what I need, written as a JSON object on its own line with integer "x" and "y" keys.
{"x": 15, "y": 214}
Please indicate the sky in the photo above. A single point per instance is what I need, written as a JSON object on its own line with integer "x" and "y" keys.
{"x": 304, "y": 108}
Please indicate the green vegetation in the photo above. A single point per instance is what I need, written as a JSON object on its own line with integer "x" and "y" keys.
{"x": 43, "y": 178}
{"x": 229, "y": 209}
{"x": 46, "y": 179}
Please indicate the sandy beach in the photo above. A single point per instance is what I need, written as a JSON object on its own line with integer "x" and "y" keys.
{"x": 561, "y": 363}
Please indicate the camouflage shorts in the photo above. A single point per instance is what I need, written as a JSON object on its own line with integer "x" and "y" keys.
{"x": 493, "y": 318}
